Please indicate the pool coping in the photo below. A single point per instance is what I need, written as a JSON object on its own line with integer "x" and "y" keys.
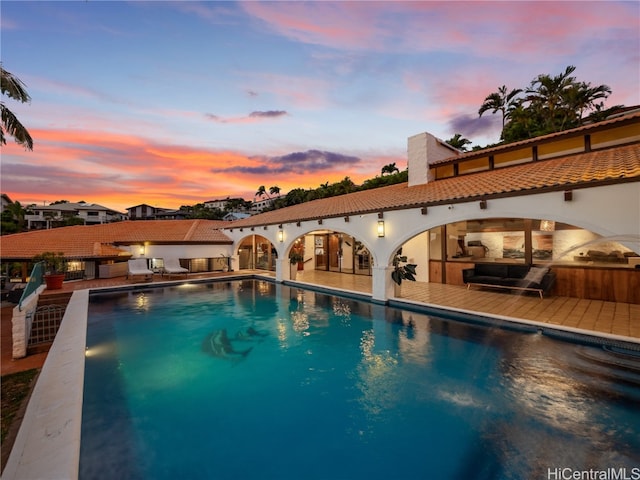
{"x": 48, "y": 442}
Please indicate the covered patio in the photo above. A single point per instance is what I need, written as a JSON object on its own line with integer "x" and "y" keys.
{"x": 596, "y": 316}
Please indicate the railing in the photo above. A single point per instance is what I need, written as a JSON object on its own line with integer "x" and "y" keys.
{"x": 46, "y": 322}
{"x": 74, "y": 275}
{"x": 35, "y": 280}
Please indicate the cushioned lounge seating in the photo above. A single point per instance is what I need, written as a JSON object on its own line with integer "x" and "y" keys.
{"x": 511, "y": 277}
{"x": 172, "y": 267}
{"x": 138, "y": 267}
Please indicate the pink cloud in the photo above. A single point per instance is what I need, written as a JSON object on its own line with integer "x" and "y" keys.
{"x": 336, "y": 24}
{"x": 120, "y": 170}
{"x": 490, "y": 28}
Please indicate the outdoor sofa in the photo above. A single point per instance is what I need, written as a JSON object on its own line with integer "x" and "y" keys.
{"x": 510, "y": 277}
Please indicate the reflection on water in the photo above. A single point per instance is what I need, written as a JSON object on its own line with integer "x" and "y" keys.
{"x": 335, "y": 388}
{"x": 377, "y": 377}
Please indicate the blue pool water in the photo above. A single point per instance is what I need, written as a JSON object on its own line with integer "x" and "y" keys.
{"x": 311, "y": 386}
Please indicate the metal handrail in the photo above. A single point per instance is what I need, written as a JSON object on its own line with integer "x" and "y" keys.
{"x": 35, "y": 280}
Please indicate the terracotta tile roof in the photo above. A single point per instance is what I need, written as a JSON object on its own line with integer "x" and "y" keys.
{"x": 618, "y": 164}
{"x": 606, "y": 124}
{"x": 94, "y": 241}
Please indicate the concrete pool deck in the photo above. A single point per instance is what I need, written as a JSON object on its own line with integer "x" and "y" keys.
{"x": 48, "y": 443}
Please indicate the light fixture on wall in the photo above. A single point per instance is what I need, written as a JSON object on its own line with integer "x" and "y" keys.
{"x": 547, "y": 225}
{"x": 142, "y": 249}
{"x": 483, "y": 204}
{"x": 568, "y": 195}
{"x": 380, "y": 228}
{"x": 280, "y": 236}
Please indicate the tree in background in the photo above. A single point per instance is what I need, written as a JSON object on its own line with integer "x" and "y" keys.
{"x": 459, "y": 142}
{"x": 550, "y": 104}
{"x": 501, "y": 101}
{"x": 13, "y": 218}
{"x": 275, "y": 190}
{"x": 261, "y": 192}
{"x": 13, "y": 88}
{"x": 389, "y": 169}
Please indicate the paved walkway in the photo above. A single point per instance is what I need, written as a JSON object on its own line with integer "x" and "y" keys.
{"x": 622, "y": 319}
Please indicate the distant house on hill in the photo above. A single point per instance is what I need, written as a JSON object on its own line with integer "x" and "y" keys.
{"x": 231, "y": 216}
{"x": 148, "y": 212}
{"x": 48, "y": 216}
{"x": 5, "y": 201}
{"x": 260, "y": 205}
{"x": 235, "y": 204}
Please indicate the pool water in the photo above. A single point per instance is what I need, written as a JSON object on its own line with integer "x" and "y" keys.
{"x": 256, "y": 380}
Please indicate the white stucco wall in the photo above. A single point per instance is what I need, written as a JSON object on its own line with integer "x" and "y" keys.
{"x": 180, "y": 251}
{"x": 609, "y": 211}
{"x": 424, "y": 149}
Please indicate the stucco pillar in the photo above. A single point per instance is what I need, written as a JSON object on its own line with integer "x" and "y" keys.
{"x": 381, "y": 283}
{"x": 283, "y": 271}
{"x": 235, "y": 262}
{"x": 21, "y": 322}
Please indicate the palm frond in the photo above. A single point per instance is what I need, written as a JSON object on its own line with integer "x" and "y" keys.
{"x": 13, "y": 127}
{"x": 13, "y": 87}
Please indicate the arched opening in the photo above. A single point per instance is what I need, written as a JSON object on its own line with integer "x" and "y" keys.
{"x": 331, "y": 258}
{"x": 339, "y": 252}
{"x": 256, "y": 252}
{"x": 588, "y": 265}
{"x": 523, "y": 241}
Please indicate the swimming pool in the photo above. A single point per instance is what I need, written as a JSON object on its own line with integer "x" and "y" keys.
{"x": 252, "y": 379}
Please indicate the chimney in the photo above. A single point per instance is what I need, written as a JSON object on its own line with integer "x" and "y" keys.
{"x": 423, "y": 150}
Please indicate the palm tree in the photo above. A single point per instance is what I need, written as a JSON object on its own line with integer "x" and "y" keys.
{"x": 500, "y": 100}
{"x": 459, "y": 142}
{"x": 275, "y": 190}
{"x": 391, "y": 168}
{"x": 17, "y": 212}
{"x": 583, "y": 97}
{"x": 13, "y": 88}
{"x": 600, "y": 113}
{"x": 261, "y": 191}
{"x": 548, "y": 95}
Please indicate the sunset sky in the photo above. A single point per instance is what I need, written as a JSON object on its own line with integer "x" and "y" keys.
{"x": 177, "y": 103}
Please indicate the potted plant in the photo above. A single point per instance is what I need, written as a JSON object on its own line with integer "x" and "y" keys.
{"x": 227, "y": 261}
{"x": 295, "y": 258}
{"x": 402, "y": 270}
{"x": 55, "y": 267}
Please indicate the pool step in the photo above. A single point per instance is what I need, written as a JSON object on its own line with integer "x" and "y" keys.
{"x": 609, "y": 371}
